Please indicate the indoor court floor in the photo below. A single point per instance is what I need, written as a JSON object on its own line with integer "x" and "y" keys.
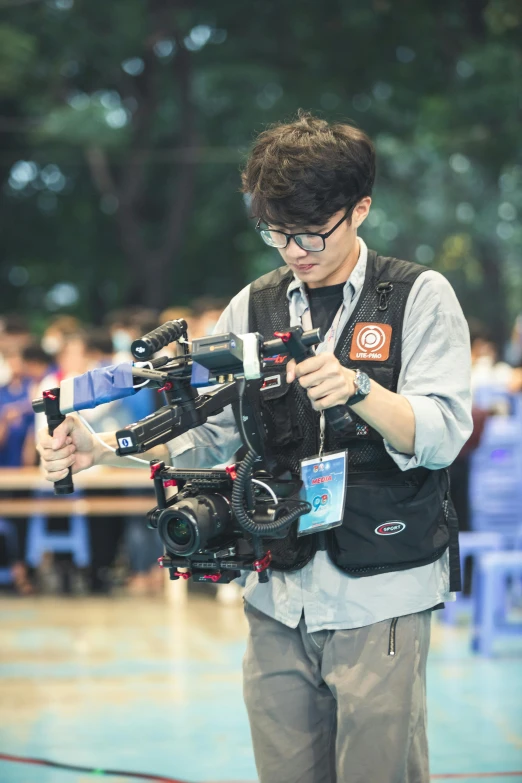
{"x": 148, "y": 686}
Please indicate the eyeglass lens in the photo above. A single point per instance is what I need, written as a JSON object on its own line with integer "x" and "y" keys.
{"x": 310, "y": 242}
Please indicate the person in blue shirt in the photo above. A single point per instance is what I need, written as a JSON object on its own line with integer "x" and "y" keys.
{"x": 16, "y": 417}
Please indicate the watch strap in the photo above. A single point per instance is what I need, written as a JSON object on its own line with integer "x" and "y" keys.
{"x": 358, "y": 396}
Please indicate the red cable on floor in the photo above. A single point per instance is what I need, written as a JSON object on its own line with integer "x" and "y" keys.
{"x": 163, "y": 779}
{"x": 461, "y": 775}
{"x": 89, "y": 770}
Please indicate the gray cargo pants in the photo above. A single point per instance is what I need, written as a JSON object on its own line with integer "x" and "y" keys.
{"x": 338, "y": 706}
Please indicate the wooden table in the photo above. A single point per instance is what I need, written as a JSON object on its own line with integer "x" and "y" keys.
{"x": 94, "y": 478}
{"x": 32, "y": 480}
{"x": 65, "y": 506}
{"x": 97, "y": 478}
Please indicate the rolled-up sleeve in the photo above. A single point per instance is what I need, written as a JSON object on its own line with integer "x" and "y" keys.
{"x": 435, "y": 373}
{"x": 216, "y": 441}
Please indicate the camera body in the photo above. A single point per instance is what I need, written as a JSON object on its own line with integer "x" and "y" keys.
{"x": 199, "y": 530}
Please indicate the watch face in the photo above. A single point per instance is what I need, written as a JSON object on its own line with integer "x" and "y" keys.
{"x": 363, "y": 383}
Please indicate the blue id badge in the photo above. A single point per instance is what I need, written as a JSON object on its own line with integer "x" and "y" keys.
{"x": 324, "y": 487}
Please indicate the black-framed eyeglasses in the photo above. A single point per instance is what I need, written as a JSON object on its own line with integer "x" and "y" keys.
{"x": 311, "y": 242}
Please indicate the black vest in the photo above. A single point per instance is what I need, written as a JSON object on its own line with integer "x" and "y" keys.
{"x": 379, "y": 495}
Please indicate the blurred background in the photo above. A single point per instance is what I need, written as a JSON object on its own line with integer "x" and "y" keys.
{"x": 123, "y": 129}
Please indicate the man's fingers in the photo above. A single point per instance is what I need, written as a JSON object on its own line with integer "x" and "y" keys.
{"x": 305, "y": 367}
{"x": 45, "y": 441}
{"x": 312, "y": 364}
{"x": 323, "y": 389}
{"x": 316, "y": 378}
{"x": 53, "y": 455}
{"x": 60, "y": 434}
{"x": 57, "y": 476}
{"x": 326, "y": 402}
{"x": 59, "y": 465}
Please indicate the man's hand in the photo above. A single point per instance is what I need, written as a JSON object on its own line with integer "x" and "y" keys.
{"x": 327, "y": 382}
{"x": 72, "y": 445}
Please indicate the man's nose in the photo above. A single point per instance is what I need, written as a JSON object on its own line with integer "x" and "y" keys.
{"x": 294, "y": 252}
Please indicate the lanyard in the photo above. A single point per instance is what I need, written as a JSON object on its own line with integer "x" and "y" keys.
{"x": 329, "y": 340}
{"x": 330, "y": 337}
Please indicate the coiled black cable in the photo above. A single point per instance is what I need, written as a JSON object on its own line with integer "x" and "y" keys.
{"x": 244, "y": 474}
{"x": 259, "y": 529}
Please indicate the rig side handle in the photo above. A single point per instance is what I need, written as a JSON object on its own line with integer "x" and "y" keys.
{"x": 50, "y": 405}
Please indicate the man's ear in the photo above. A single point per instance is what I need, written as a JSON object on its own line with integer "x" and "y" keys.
{"x": 360, "y": 212}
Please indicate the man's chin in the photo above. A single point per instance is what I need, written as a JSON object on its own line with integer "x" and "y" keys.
{"x": 308, "y": 272}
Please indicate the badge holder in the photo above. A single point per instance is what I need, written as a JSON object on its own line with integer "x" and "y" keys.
{"x": 324, "y": 487}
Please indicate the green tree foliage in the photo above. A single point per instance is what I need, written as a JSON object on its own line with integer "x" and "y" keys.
{"x": 123, "y": 126}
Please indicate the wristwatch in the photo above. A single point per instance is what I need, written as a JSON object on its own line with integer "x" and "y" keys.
{"x": 362, "y": 388}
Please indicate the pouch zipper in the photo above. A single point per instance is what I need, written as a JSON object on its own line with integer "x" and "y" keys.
{"x": 391, "y": 640}
{"x": 362, "y": 569}
{"x": 402, "y": 484}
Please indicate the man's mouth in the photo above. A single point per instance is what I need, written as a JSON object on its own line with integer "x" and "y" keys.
{"x": 303, "y": 267}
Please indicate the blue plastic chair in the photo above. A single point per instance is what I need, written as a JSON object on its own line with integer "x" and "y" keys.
{"x": 75, "y": 540}
{"x": 471, "y": 544}
{"x": 496, "y": 473}
{"x": 496, "y": 572}
{"x": 8, "y": 530}
{"x": 495, "y": 494}
{"x": 488, "y": 397}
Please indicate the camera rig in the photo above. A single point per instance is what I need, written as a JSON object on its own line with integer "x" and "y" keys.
{"x": 218, "y": 520}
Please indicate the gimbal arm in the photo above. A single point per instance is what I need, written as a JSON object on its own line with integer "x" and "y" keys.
{"x": 173, "y": 420}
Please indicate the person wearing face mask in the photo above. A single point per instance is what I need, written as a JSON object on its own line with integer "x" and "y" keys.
{"x": 125, "y": 326}
{"x": 57, "y": 332}
{"x": 207, "y": 310}
{"x": 335, "y": 667}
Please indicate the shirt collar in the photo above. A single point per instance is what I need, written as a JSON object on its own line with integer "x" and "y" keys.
{"x": 352, "y": 287}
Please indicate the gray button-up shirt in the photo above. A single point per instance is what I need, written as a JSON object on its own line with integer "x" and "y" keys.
{"x": 435, "y": 378}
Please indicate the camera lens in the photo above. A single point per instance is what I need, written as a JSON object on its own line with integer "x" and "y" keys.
{"x": 190, "y": 523}
{"x": 179, "y": 531}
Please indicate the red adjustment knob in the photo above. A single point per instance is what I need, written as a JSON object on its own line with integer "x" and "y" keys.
{"x": 212, "y": 577}
{"x": 154, "y": 469}
{"x": 284, "y": 336}
{"x": 168, "y": 386}
{"x": 49, "y": 395}
{"x": 231, "y": 471}
{"x": 263, "y": 563}
{"x": 183, "y": 574}
{"x": 170, "y": 483}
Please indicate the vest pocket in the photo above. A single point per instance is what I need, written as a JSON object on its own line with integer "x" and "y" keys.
{"x": 387, "y": 528}
{"x": 280, "y": 416}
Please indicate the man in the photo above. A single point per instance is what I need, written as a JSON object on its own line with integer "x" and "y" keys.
{"x": 334, "y": 674}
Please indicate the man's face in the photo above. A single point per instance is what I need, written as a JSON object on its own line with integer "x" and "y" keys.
{"x": 333, "y": 264}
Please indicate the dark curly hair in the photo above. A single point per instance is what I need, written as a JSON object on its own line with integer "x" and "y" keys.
{"x": 303, "y": 172}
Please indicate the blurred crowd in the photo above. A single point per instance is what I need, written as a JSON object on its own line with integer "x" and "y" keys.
{"x": 492, "y": 366}
{"x": 123, "y": 550}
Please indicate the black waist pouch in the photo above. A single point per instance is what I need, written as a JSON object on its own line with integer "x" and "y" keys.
{"x": 391, "y": 526}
